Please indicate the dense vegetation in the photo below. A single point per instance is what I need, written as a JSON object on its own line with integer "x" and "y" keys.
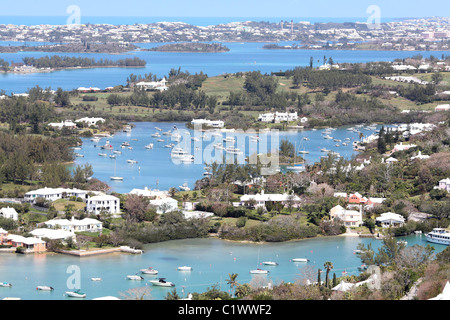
{"x": 55, "y": 62}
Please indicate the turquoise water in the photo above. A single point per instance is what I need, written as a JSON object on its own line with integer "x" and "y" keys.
{"x": 242, "y": 57}
{"x": 155, "y": 168}
{"x": 212, "y": 261}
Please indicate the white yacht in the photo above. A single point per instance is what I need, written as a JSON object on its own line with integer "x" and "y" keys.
{"x": 161, "y": 282}
{"x": 259, "y": 271}
{"x": 134, "y": 277}
{"x": 233, "y": 150}
{"x": 270, "y": 263}
{"x": 179, "y": 153}
{"x": 300, "y": 260}
{"x": 184, "y": 268}
{"x": 187, "y": 158}
{"x": 439, "y": 235}
{"x": 44, "y": 288}
{"x": 149, "y": 270}
{"x": 149, "y": 146}
{"x": 184, "y": 187}
{"x": 132, "y": 161}
{"x": 76, "y": 294}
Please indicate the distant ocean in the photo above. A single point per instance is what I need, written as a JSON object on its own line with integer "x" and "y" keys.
{"x": 198, "y": 21}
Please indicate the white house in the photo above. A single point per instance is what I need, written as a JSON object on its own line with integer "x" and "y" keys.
{"x": 390, "y": 219}
{"x": 278, "y": 117}
{"x": 62, "y": 124}
{"x": 444, "y": 184}
{"x": 350, "y": 218}
{"x": 149, "y": 85}
{"x": 90, "y": 121}
{"x": 420, "y": 156}
{"x": 53, "y": 194}
{"x": 53, "y": 234}
{"x": 442, "y": 107}
{"x": 164, "y": 205}
{"x": 261, "y": 198}
{"x": 74, "y": 225}
{"x": 9, "y": 213}
{"x": 109, "y": 203}
{"x": 208, "y": 123}
{"x": 146, "y": 192}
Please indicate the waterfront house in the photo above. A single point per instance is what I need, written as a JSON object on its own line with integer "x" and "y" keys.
{"x": 278, "y": 117}
{"x": 350, "y": 218}
{"x": 402, "y": 147}
{"x": 390, "y": 219}
{"x": 53, "y": 234}
{"x": 208, "y": 123}
{"x": 146, "y": 192}
{"x": 52, "y": 194}
{"x": 260, "y": 199}
{"x": 30, "y": 244}
{"x": 63, "y": 124}
{"x": 3, "y": 235}
{"x": 9, "y": 213}
{"x": 109, "y": 203}
{"x": 74, "y": 225}
{"x": 90, "y": 121}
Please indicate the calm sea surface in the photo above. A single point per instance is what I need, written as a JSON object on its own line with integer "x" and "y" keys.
{"x": 242, "y": 57}
{"x": 212, "y": 261}
{"x": 156, "y": 169}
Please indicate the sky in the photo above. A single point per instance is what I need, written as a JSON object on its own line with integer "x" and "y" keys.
{"x": 228, "y": 8}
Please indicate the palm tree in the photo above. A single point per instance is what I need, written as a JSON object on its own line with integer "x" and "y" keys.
{"x": 232, "y": 280}
{"x": 327, "y": 265}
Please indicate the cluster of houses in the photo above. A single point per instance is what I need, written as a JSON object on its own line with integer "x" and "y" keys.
{"x": 72, "y": 125}
{"x": 280, "y": 117}
{"x": 208, "y": 123}
{"x": 153, "y": 85}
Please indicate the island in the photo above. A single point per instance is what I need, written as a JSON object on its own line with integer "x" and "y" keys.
{"x": 191, "y": 47}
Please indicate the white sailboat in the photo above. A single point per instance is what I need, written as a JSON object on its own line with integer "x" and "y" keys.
{"x": 114, "y": 177}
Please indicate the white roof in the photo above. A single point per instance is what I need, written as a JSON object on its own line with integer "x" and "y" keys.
{"x": 103, "y": 198}
{"x": 3, "y": 231}
{"x": 52, "y": 233}
{"x": 390, "y": 216}
{"x": 268, "y": 197}
{"x": 49, "y": 191}
{"x": 8, "y": 211}
{"x": 343, "y": 286}
{"x": 445, "y": 295}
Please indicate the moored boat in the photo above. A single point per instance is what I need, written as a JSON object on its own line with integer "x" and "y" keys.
{"x": 134, "y": 277}
{"x": 161, "y": 282}
{"x": 439, "y": 235}
{"x": 300, "y": 260}
{"x": 184, "y": 268}
{"x": 259, "y": 271}
{"x": 270, "y": 263}
{"x": 149, "y": 270}
{"x": 5, "y": 284}
{"x": 44, "y": 288}
{"x": 76, "y": 294}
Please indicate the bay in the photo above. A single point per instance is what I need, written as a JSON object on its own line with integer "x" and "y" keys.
{"x": 242, "y": 57}
{"x": 155, "y": 168}
{"x": 211, "y": 259}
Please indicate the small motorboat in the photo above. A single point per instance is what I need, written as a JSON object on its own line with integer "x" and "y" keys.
{"x": 149, "y": 146}
{"x": 76, "y": 294}
{"x": 132, "y": 161}
{"x": 44, "y": 288}
{"x": 5, "y": 284}
{"x": 300, "y": 260}
{"x": 270, "y": 263}
{"x": 96, "y": 279}
{"x": 259, "y": 271}
{"x": 149, "y": 270}
{"x": 184, "y": 268}
{"x": 161, "y": 282}
{"x": 134, "y": 277}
